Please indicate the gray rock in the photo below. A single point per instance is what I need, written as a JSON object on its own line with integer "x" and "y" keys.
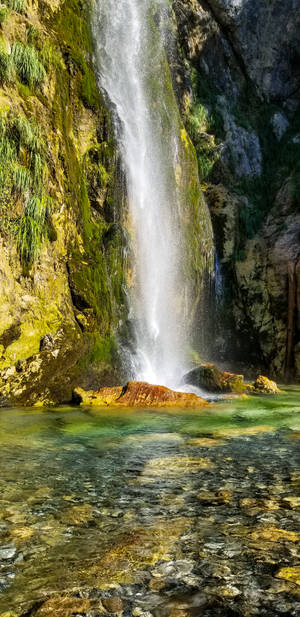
{"x": 7, "y": 552}
{"x": 280, "y": 125}
{"x": 265, "y": 38}
{"x": 241, "y": 150}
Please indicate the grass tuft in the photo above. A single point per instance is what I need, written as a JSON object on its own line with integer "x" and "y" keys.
{"x": 21, "y": 179}
{"x": 6, "y": 67}
{"x": 24, "y": 177}
{"x": 19, "y": 6}
{"x": 30, "y": 69}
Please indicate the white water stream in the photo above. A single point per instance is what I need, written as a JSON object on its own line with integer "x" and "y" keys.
{"x": 134, "y": 75}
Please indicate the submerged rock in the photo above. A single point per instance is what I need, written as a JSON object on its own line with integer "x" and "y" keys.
{"x": 212, "y": 379}
{"x": 137, "y": 394}
{"x": 291, "y": 574}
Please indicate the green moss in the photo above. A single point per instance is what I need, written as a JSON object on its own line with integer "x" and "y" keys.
{"x": 24, "y": 91}
{"x": 96, "y": 270}
{"x": 89, "y": 89}
{"x": 4, "y": 12}
{"x": 102, "y": 350}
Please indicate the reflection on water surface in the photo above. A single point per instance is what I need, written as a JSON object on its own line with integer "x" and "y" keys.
{"x": 163, "y": 513}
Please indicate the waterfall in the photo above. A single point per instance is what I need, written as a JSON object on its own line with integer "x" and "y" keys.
{"x": 134, "y": 74}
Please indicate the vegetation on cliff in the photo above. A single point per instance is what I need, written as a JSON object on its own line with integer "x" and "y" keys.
{"x": 61, "y": 236}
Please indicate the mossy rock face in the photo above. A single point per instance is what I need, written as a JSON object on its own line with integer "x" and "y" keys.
{"x": 71, "y": 289}
{"x": 45, "y": 378}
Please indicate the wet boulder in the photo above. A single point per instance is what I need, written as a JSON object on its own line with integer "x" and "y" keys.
{"x": 137, "y": 394}
{"x": 209, "y": 377}
{"x": 212, "y": 379}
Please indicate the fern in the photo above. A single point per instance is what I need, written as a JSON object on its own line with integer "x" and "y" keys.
{"x": 32, "y": 229}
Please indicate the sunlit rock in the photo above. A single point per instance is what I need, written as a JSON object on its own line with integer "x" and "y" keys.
{"x": 273, "y": 534}
{"x": 63, "y": 606}
{"x": 77, "y": 515}
{"x": 243, "y": 430}
{"x": 204, "y": 442}
{"x": 167, "y": 467}
{"x": 263, "y": 385}
{"x": 137, "y": 394}
{"x": 290, "y": 574}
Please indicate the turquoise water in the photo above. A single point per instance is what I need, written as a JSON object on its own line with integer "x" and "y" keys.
{"x": 161, "y": 509}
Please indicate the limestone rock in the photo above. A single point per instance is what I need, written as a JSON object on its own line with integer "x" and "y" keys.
{"x": 137, "y": 394}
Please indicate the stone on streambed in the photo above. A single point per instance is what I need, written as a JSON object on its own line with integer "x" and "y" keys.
{"x": 213, "y": 379}
{"x": 137, "y": 394}
{"x": 263, "y": 385}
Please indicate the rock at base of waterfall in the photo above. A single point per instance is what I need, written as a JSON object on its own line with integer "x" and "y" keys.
{"x": 137, "y": 394}
{"x": 212, "y": 379}
{"x": 263, "y": 385}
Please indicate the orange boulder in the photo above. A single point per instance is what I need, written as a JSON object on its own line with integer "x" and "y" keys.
{"x": 137, "y": 394}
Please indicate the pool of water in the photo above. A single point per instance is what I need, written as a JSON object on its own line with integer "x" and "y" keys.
{"x": 143, "y": 512}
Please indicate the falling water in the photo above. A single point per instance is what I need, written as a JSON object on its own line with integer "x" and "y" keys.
{"x": 134, "y": 74}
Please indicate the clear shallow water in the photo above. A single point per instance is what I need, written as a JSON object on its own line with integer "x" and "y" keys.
{"x": 174, "y": 513}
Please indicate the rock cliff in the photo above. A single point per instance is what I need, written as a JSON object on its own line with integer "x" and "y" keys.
{"x": 61, "y": 238}
{"x": 239, "y": 83}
